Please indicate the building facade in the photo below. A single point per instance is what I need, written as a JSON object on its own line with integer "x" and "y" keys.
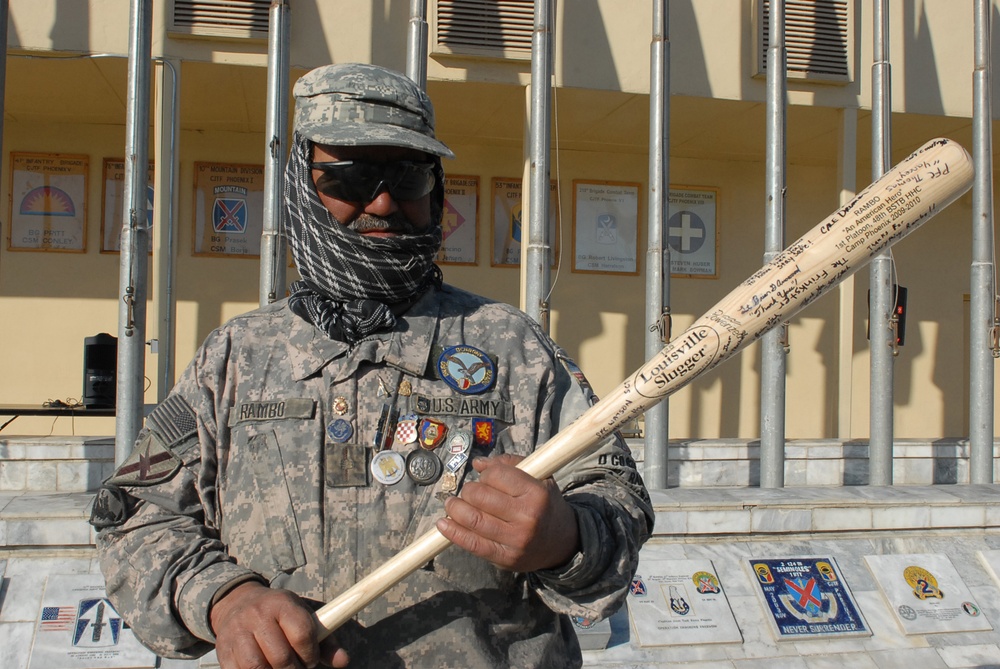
{"x": 65, "y": 109}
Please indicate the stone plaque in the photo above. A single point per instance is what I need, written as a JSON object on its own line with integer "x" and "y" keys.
{"x": 806, "y": 598}
{"x": 926, "y": 594}
{"x": 78, "y": 628}
{"x": 680, "y": 602}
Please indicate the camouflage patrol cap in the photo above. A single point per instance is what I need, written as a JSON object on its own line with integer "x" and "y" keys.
{"x": 355, "y": 104}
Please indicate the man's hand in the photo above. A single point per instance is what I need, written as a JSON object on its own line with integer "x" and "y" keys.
{"x": 259, "y": 628}
{"x": 511, "y": 519}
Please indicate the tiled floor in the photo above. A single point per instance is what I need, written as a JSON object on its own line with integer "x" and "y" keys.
{"x": 45, "y": 533}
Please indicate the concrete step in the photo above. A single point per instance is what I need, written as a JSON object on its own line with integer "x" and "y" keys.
{"x": 55, "y": 464}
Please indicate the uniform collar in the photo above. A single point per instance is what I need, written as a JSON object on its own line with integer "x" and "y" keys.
{"x": 406, "y": 347}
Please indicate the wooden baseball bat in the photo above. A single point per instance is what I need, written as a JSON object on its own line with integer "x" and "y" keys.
{"x": 907, "y": 195}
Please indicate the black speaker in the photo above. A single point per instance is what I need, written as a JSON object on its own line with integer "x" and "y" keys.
{"x": 100, "y": 365}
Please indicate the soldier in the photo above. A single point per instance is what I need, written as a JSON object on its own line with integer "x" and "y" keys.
{"x": 312, "y": 439}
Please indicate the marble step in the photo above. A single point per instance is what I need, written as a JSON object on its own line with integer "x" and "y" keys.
{"x": 80, "y": 463}
{"x": 695, "y": 514}
{"x": 38, "y": 520}
{"x": 55, "y": 464}
{"x": 53, "y": 520}
{"x": 704, "y": 463}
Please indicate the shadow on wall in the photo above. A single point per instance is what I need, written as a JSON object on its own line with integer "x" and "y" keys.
{"x": 921, "y": 75}
{"x": 579, "y": 27}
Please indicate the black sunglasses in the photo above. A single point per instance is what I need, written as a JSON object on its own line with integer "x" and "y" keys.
{"x": 356, "y": 181}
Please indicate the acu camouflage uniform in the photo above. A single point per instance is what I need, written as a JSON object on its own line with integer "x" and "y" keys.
{"x": 234, "y": 477}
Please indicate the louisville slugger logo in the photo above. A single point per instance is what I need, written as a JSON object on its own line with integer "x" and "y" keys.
{"x": 694, "y": 350}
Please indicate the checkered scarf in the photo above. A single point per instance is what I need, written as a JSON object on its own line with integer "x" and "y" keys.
{"x": 350, "y": 281}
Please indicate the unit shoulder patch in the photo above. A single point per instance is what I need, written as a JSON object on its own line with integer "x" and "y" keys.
{"x": 150, "y": 462}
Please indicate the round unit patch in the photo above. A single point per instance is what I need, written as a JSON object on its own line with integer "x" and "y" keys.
{"x": 423, "y": 467}
{"x": 388, "y": 467}
{"x": 339, "y": 430}
{"x": 466, "y": 369}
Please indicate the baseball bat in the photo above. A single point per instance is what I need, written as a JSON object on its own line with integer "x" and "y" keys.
{"x": 902, "y": 199}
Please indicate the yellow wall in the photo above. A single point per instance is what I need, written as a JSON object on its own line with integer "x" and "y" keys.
{"x": 50, "y": 302}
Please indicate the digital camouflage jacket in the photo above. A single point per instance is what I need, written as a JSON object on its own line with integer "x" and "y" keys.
{"x": 263, "y": 463}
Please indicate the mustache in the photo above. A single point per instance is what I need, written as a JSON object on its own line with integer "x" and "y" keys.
{"x": 395, "y": 222}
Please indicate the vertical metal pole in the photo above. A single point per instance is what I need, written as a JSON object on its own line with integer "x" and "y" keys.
{"x": 881, "y": 300}
{"x": 656, "y": 434}
{"x": 134, "y": 264}
{"x": 536, "y": 256}
{"x": 983, "y": 283}
{"x": 272, "y": 244}
{"x": 416, "y": 43}
{"x": 772, "y": 367}
{"x": 165, "y": 224}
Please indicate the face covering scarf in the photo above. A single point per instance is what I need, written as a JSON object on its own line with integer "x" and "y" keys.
{"x": 350, "y": 281}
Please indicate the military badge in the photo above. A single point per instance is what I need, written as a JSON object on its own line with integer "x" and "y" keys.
{"x": 482, "y": 432}
{"x": 826, "y": 571}
{"x": 385, "y": 429}
{"x": 339, "y": 431}
{"x": 449, "y": 482}
{"x": 805, "y": 600}
{"x": 459, "y": 443}
{"x": 406, "y": 430}
{"x": 706, "y": 583}
{"x": 388, "y": 467}
{"x": 970, "y": 609}
{"x": 340, "y": 406}
{"x": 456, "y": 462}
{"x": 230, "y": 215}
{"x": 466, "y": 369}
{"x": 763, "y": 573}
{"x": 923, "y": 583}
{"x": 678, "y": 603}
{"x": 432, "y": 433}
{"x": 423, "y": 467}
{"x": 637, "y": 587}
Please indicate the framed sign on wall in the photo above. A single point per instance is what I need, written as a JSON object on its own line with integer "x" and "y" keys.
{"x": 605, "y": 227}
{"x": 113, "y": 199}
{"x": 48, "y": 203}
{"x": 693, "y": 232}
{"x": 460, "y": 221}
{"x": 508, "y": 224}
{"x": 228, "y": 209}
